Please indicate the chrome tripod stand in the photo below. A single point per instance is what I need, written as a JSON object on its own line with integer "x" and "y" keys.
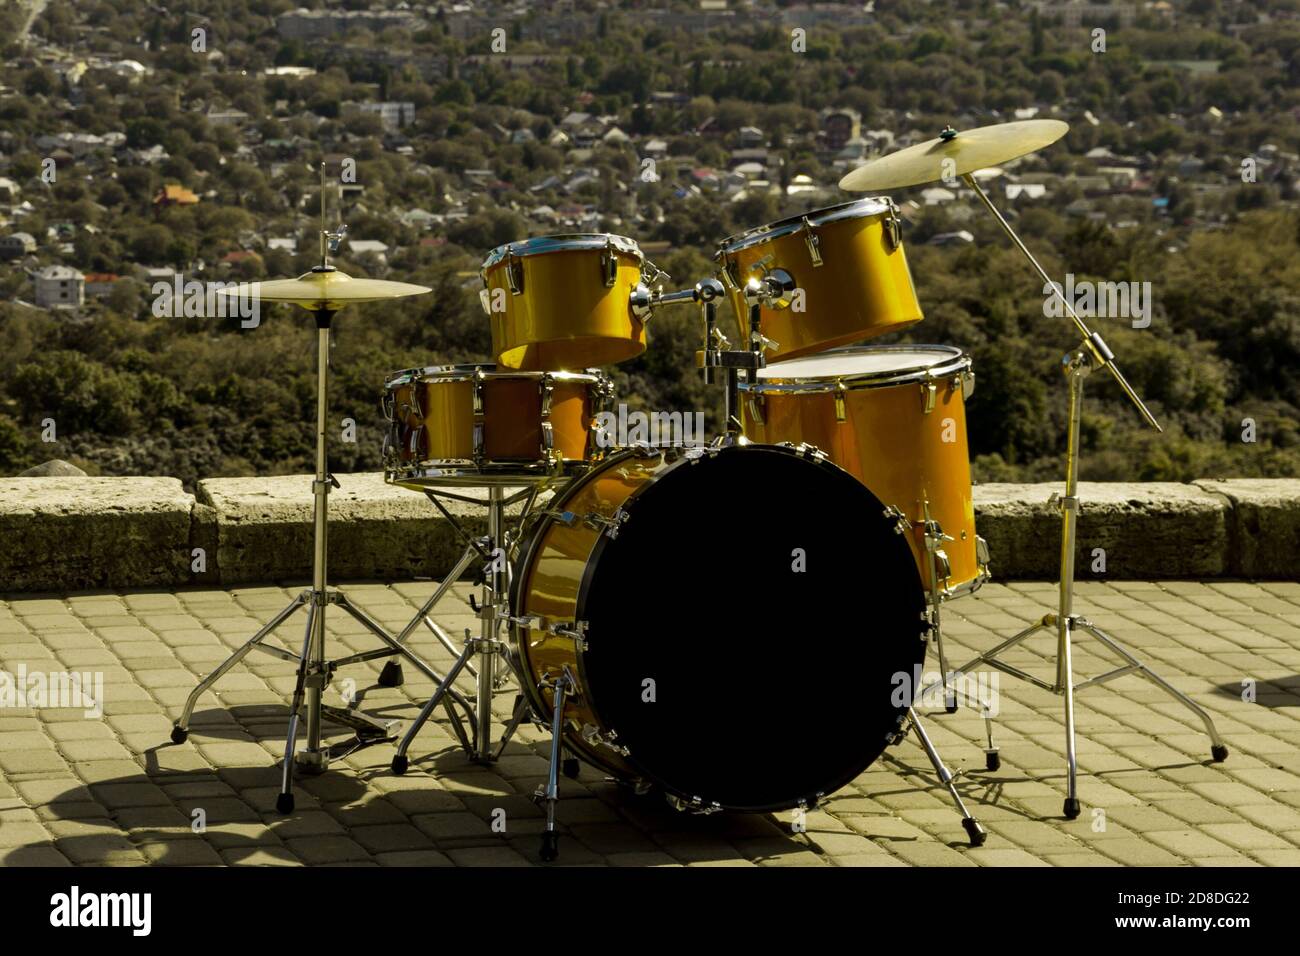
{"x": 490, "y": 675}
{"x": 314, "y": 671}
{"x": 323, "y": 291}
{"x": 1091, "y": 353}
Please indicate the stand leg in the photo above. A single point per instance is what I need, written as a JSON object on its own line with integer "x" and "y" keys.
{"x": 991, "y": 658}
{"x": 493, "y": 584}
{"x": 974, "y": 831}
{"x": 550, "y": 839}
{"x": 934, "y": 538}
{"x": 181, "y": 727}
{"x": 1218, "y": 749}
{"x": 1064, "y": 660}
{"x": 400, "y": 760}
{"x": 314, "y": 756}
{"x": 936, "y": 612}
{"x": 992, "y": 759}
{"x": 466, "y": 559}
{"x": 284, "y": 803}
{"x": 1077, "y": 365}
{"x": 516, "y": 718}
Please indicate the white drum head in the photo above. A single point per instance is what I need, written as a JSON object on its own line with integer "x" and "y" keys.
{"x": 868, "y": 363}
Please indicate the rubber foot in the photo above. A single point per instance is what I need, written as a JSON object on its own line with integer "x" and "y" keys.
{"x": 391, "y": 675}
{"x": 993, "y": 761}
{"x": 550, "y": 850}
{"x": 950, "y": 706}
{"x": 570, "y": 767}
{"x": 1219, "y": 752}
{"x": 284, "y": 803}
{"x": 1071, "y": 809}
{"x": 974, "y": 831}
{"x": 180, "y": 735}
{"x": 400, "y": 763}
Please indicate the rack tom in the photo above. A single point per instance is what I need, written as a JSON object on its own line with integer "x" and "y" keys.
{"x": 850, "y": 275}
{"x": 564, "y": 302}
{"x": 475, "y": 425}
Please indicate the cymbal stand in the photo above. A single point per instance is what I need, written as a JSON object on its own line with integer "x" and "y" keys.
{"x": 493, "y": 609}
{"x": 314, "y": 671}
{"x": 1092, "y": 352}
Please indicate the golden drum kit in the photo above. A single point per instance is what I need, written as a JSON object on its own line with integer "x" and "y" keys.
{"x": 645, "y": 603}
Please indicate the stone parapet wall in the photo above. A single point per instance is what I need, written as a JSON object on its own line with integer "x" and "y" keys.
{"x": 76, "y": 534}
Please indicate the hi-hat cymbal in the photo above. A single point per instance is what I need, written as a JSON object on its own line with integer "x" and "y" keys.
{"x": 968, "y": 150}
{"x": 325, "y": 289}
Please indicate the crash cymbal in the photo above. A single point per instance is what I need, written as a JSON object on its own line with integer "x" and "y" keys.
{"x": 969, "y": 150}
{"x": 325, "y": 289}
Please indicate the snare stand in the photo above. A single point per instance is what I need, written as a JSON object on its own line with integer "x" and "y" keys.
{"x": 1077, "y": 364}
{"x": 492, "y": 550}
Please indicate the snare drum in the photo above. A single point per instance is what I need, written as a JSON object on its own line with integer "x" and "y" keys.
{"x": 474, "y": 425}
{"x": 563, "y": 302}
{"x": 894, "y": 416}
{"x": 850, "y": 276}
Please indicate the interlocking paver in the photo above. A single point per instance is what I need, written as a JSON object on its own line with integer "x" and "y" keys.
{"x": 112, "y": 789}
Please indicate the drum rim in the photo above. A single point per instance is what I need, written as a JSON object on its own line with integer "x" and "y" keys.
{"x": 464, "y": 472}
{"x": 489, "y": 370}
{"x": 854, "y": 209}
{"x": 959, "y": 361}
{"x": 562, "y": 242}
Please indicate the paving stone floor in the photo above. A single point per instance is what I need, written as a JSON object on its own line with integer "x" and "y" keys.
{"x": 114, "y": 790}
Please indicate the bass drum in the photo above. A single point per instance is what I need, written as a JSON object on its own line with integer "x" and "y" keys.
{"x": 804, "y": 610}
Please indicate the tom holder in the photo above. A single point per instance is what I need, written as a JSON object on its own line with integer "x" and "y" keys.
{"x": 772, "y": 290}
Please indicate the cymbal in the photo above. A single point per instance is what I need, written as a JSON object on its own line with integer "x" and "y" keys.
{"x": 325, "y": 289}
{"x": 969, "y": 150}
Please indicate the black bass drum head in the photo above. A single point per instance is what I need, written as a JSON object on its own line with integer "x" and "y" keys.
{"x": 748, "y": 627}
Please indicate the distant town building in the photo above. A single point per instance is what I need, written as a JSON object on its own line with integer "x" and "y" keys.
{"x": 173, "y": 195}
{"x": 839, "y": 15}
{"x": 100, "y": 284}
{"x": 393, "y": 115}
{"x": 304, "y": 24}
{"x": 1073, "y": 13}
{"x": 839, "y": 126}
{"x": 16, "y": 245}
{"x": 1028, "y": 190}
{"x": 937, "y": 196}
{"x": 60, "y": 287}
{"x": 960, "y": 237}
{"x": 368, "y": 247}
{"x": 227, "y": 117}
